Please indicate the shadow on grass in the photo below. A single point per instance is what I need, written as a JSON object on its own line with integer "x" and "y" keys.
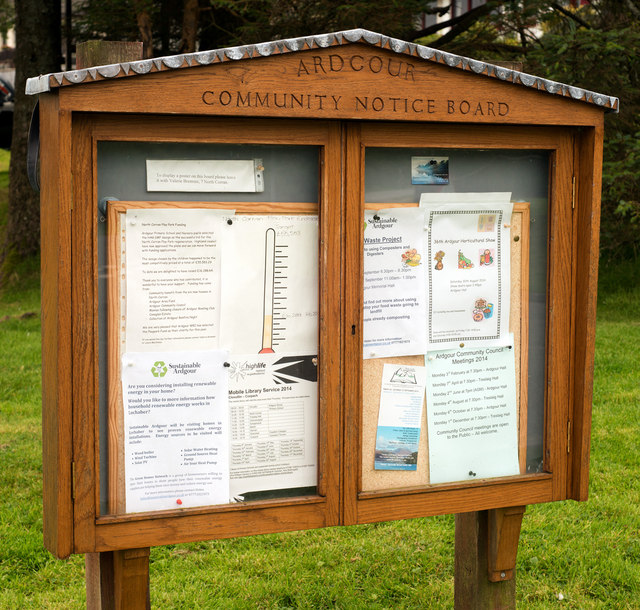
{"x": 619, "y": 292}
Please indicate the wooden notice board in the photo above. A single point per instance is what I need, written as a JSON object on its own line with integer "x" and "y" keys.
{"x": 337, "y": 93}
{"x": 374, "y": 480}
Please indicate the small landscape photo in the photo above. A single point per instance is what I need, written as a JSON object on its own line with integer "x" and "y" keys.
{"x": 429, "y": 170}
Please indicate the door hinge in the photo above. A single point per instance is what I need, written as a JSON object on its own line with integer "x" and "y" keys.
{"x": 73, "y": 480}
{"x": 569, "y": 436}
{"x": 573, "y": 193}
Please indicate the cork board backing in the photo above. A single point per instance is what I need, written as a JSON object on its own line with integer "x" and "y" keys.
{"x": 375, "y": 480}
{"x": 116, "y": 320}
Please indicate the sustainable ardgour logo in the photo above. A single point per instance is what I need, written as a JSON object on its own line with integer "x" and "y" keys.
{"x": 159, "y": 369}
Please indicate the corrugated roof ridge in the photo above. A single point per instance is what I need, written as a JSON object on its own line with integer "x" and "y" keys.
{"x": 43, "y": 83}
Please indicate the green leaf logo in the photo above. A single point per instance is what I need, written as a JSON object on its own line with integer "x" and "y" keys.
{"x": 159, "y": 369}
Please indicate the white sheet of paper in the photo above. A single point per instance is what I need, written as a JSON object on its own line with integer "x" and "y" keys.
{"x": 394, "y": 283}
{"x": 273, "y": 402}
{"x": 172, "y": 284}
{"x": 176, "y": 429}
{"x": 468, "y": 273}
{"x": 270, "y": 297}
{"x": 401, "y": 399}
{"x": 472, "y": 414}
{"x": 201, "y": 176}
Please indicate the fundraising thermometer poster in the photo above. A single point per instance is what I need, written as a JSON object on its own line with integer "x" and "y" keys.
{"x": 270, "y": 276}
{"x": 468, "y": 273}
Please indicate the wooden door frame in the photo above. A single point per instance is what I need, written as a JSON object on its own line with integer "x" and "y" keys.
{"x": 95, "y": 532}
{"x": 560, "y": 405}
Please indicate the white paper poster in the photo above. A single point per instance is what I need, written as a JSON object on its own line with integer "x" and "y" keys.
{"x": 468, "y": 277}
{"x": 176, "y": 429}
{"x": 273, "y": 403}
{"x": 270, "y": 277}
{"x": 401, "y": 399}
{"x": 204, "y": 176}
{"x": 172, "y": 285}
{"x": 394, "y": 283}
{"x": 472, "y": 414}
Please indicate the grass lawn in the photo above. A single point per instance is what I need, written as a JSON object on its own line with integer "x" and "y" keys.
{"x": 571, "y": 555}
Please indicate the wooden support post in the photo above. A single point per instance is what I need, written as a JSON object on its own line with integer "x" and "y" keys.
{"x": 118, "y": 580}
{"x": 503, "y": 533}
{"x": 486, "y": 544}
{"x": 98, "y": 576}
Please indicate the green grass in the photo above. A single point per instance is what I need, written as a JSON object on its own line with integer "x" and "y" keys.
{"x": 587, "y": 552}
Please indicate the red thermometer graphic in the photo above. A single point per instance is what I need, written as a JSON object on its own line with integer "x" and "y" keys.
{"x": 267, "y": 306}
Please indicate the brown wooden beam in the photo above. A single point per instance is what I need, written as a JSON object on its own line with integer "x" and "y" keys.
{"x": 99, "y": 581}
{"x": 118, "y": 580}
{"x": 503, "y": 533}
{"x": 486, "y": 544}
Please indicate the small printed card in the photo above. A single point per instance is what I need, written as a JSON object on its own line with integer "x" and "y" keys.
{"x": 401, "y": 402}
{"x": 205, "y": 176}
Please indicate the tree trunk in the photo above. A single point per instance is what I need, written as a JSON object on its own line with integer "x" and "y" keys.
{"x": 145, "y": 27}
{"x": 164, "y": 27}
{"x": 38, "y": 51}
{"x": 189, "y": 26}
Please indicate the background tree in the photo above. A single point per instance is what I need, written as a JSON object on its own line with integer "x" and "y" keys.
{"x": 37, "y": 29}
{"x": 595, "y": 47}
{"x": 601, "y": 52}
{"x": 260, "y": 20}
{"x": 6, "y": 17}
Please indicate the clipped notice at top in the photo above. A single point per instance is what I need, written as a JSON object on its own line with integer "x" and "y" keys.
{"x": 468, "y": 274}
{"x": 205, "y": 176}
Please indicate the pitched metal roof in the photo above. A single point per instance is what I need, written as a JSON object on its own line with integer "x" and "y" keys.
{"x": 40, "y": 84}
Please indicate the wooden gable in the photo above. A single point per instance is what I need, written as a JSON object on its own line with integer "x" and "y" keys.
{"x": 354, "y": 81}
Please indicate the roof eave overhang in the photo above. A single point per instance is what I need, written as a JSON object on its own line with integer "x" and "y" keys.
{"x": 44, "y": 83}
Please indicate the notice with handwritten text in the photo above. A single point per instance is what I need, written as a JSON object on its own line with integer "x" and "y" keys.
{"x": 176, "y": 429}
